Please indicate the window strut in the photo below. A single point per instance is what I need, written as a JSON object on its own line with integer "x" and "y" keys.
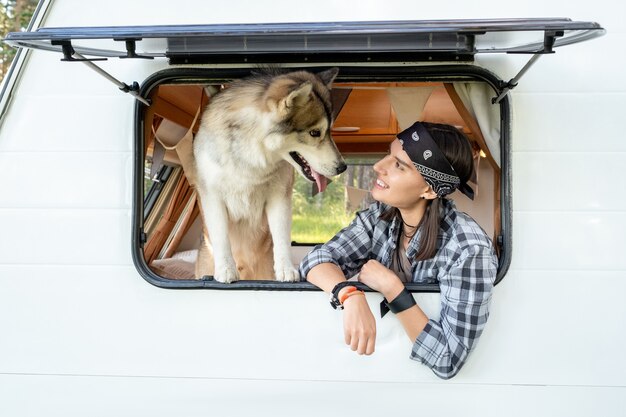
{"x": 133, "y": 89}
{"x": 549, "y": 37}
{"x": 70, "y": 55}
{"x": 513, "y": 82}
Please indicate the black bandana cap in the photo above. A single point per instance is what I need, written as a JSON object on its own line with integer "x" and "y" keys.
{"x": 431, "y": 162}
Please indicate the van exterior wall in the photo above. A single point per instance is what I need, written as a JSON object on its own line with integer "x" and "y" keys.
{"x": 77, "y": 317}
{"x": 131, "y": 397}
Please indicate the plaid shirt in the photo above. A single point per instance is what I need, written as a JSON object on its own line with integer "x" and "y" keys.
{"x": 465, "y": 267}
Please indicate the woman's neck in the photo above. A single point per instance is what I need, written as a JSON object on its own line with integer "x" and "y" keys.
{"x": 412, "y": 216}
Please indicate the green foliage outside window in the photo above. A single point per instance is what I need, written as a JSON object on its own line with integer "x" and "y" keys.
{"x": 15, "y": 15}
{"x": 318, "y": 218}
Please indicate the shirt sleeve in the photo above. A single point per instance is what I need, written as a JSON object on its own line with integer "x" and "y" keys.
{"x": 349, "y": 249}
{"x": 466, "y": 289}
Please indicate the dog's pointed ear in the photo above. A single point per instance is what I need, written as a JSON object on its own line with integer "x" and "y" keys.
{"x": 328, "y": 76}
{"x": 298, "y": 96}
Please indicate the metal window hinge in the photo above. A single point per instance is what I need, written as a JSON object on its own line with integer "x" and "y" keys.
{"x": 131, "y": 48}
{"x": 549, "y": 38}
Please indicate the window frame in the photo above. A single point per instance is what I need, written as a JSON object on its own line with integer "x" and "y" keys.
{"x": 399, "y": 72}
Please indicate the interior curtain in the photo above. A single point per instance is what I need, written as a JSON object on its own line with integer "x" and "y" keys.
{"x": 477, "y": 99}
{"x": 408, "y": 103}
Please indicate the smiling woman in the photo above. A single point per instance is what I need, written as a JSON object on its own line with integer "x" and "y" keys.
{"x": 367, "y": 116}
{"x": 413, "y": 233}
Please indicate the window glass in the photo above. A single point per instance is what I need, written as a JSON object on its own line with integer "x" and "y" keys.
{"x": 368, "y": 117}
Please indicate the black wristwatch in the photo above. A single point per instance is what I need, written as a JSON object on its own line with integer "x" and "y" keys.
{"x": 334, "y": 294}
{"x": 403, "y": 301}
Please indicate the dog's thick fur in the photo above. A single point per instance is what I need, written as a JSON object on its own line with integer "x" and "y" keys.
{"x": 251, "y": 136}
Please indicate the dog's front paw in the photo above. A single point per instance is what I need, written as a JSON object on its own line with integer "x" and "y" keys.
{"x": 226, "y": 273}
{"x": 286, "y": 273}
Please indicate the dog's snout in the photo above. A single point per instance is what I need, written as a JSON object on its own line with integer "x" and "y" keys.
{"x": 341, "y": 167}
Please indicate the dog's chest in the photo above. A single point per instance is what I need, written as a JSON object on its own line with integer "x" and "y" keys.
{"x": 246, "y": 201}
{"x": 248, "y": 204}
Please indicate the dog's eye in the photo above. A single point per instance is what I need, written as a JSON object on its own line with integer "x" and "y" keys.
{"x": 315, "y": 133}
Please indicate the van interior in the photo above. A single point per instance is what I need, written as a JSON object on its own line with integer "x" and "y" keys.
{"x": 368, "y": 115}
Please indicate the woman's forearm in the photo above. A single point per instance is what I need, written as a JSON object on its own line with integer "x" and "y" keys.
{"x": 325, "y": 276}
{"x": 358, "y": 322}
{"x": 413, "y": 320}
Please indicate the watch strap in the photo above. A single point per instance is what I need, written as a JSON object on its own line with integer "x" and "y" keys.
{"x": 403, "y": 301}
{"x": 334, "y": 294}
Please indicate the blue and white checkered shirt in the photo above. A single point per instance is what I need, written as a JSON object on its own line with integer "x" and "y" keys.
{"x": 465, "y": 267}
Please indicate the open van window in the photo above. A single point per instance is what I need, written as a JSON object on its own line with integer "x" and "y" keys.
{"x": 405, "y": 52}
{"x": 369, "y": 111}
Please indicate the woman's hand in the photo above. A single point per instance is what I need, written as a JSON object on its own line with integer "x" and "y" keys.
{"x": 379, "y": 278}
{"x": 359, "y": 325}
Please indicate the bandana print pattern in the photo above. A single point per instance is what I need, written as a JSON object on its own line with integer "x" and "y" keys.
{"x": 429, "y": 160}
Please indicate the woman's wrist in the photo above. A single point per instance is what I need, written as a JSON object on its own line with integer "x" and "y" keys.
{"x": 357, "y": 295}
{"x": 343, "y": 291}
{"x": 392, "y": 290}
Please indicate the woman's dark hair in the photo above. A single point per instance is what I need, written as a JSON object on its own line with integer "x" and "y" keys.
{"x": 457, "y": 149}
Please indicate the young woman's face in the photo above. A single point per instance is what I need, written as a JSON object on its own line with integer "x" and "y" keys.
{"x": 399, "y": 184}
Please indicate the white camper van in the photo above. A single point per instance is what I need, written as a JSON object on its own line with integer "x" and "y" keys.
{"x": 100, "y": 310}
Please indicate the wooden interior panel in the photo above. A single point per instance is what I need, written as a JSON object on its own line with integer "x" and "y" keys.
{"x": 178, "y": 103}
{"x": 370, "y": 111}
{"x": 187, "y": 98}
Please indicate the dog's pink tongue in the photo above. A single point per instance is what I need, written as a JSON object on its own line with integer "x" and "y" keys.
{"x": 321, "y": 180}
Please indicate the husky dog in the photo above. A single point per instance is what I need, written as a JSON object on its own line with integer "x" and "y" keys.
{"x": 251, "y": 136}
